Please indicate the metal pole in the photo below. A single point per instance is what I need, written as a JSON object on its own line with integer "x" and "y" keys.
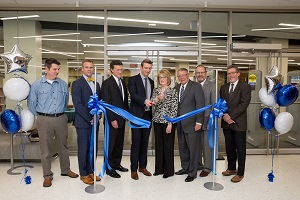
{"x": 213, "y": 185}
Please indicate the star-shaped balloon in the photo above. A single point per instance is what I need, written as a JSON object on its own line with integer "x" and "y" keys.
{"x": 16, "y": 60}
{"x": 273, "y": 80}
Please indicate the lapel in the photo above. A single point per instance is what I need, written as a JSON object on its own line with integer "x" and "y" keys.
{"x": 141, "y": 83}
{"x": 115, "y": 85}
{"x": 85, "y": 85}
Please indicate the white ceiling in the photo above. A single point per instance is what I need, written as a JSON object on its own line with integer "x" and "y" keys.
{"x": 240, "y": 4}
{"x": 212, "y": 22}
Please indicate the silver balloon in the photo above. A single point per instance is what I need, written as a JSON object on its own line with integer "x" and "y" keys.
{"x": 16, "y": 60}
{"x": 273, "y": 79}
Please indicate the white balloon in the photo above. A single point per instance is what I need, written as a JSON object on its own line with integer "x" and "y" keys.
{"x": 27, "y": 119}
{"x": 16, "y": 89}
{"x": 284, "y": 122}
{"x": 265, "y": 98}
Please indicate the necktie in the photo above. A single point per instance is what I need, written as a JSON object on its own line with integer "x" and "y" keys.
{"x": 181, "y": 93}
{"x": 146, "y": 87}
{"x": 231, "y": 89}
{"x": 120, "y": 86}
{"x": 90, "y": 79}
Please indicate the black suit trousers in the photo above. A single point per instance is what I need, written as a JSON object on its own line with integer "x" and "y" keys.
{"x": 164, "y": 149}
{"x": 235, "y": 142}
{"x": 139, "y": 145}
{"x": 116, "y": 143}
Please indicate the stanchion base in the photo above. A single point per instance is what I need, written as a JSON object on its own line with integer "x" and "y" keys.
{"x": 10, "y": 171}
{"x": 215, "y": 186}
{"x": 94, "y": 189}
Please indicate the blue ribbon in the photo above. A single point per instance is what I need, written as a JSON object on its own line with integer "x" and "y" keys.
{"x": 218, "y": 111}
{"x": 98, "y": 107}
{"x": 271, "y": 175}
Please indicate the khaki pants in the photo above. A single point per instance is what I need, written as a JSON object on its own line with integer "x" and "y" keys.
{"x": 48, "y": 128}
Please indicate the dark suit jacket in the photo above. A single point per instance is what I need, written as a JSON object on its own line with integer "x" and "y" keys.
{"x": 111, "y": 94}
{"x": 81, "y": 93}
{"x": 237, "y": 105}
{"x": 138, "y": 95}
{"x": 193, "y": 98}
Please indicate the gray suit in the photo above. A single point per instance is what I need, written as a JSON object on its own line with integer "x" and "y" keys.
{"x": 188, "y": 138}
{"x": 209, "y": 89}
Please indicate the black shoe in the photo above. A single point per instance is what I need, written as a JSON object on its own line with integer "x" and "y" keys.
{"x": 121, "y": 168}
{"x": 113, "y": 174}
{"x": 156, "y": 174}
{"x": 167, "y": 176}
{"x": 180, "y": 172}
{"x": 189, "y": 179}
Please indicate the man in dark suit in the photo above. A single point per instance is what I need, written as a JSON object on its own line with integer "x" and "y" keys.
{"x": 209, "y": 89}
{"x": 114, "y": 92}
{"x": 191, "y": 97}
{"x": 140, "y": 88}
{"x": 234, "y": 122}
{"x": 82, "y": 89}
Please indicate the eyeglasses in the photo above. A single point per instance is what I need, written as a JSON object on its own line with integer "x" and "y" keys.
{"x": 182, "y": 75}
{"x": 162, "y": 77}
{"x": 231, "y": 73}
{"x": 200, "y": 72}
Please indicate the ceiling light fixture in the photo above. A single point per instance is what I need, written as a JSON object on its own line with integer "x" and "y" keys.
{"x": 182, "y": 42}
{"x": 65, "y": 40}
{"x": 128, "y": 20}
{"x": 274, "y": 29}
{"x": 60, "y": 53}
{"x": 186, "y": 60}
{"x": 51, "y": 35}
{"x": 134, "y": 34}
{"x": 20, "y": 17}
{"x": 284, "y": 24}
{"x": 205, "y": 37}
{"x": 236, "y": 59}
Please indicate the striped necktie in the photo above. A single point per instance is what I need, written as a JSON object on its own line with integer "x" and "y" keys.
{"x": 231, "y": 89}
{"x": 181, "y": 93}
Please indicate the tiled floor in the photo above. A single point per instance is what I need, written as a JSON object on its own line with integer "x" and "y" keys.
{"x": 254, "y": 186}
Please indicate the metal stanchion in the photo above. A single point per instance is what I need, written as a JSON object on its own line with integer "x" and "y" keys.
{"x": 213, "y": 185}
{"x": 12, "y": 167}
{"x": 94, "y": 189}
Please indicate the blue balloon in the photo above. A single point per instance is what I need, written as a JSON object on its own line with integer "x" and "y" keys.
{"x": 267, "y": 118}
{"x": 10, "y": 121}
{"x": 286, "y": 95}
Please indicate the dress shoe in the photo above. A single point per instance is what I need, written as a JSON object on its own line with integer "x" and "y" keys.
{"x": 47, "y": 182}
{"x": 87, "y": 180}
{"x": 70, "y": 174}
{"x": 134, "y": 176}
{"x": 167, "y": 176}
{"x": 92, "y": 177}
{"x": 145, "y": 171}
{"x": 113, "y": 174}
{"x": 156, "y": 174}
{"x": 121, "y": 168}
{"x": 204, "y": 173}
{"x": 189, "y": 179}
{"x": 180, "y": 172}
{"x": 237, "y": 178}
{"x": 229, "y": 172}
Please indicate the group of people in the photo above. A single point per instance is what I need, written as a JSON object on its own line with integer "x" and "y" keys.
{"x": 48, "y": 100}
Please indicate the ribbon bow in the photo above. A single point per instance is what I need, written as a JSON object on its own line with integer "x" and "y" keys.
{"x": 98, "y": 107}
{"x": 90, "y": 79}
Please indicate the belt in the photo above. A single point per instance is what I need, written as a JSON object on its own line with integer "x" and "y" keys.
{"x": 51, "y": 115}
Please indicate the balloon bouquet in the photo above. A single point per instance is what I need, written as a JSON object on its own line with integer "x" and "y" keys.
{"x": 283, "y": 96}
{"x": 17, "y": 89}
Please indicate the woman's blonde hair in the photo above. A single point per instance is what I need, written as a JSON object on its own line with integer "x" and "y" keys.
{"x": 166, "y": 73}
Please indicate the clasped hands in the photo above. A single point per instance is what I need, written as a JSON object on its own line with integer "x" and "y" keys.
{"x": 228, "y": 119}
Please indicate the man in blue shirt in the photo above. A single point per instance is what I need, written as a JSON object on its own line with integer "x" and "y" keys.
{"x": 48, "y": 99}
